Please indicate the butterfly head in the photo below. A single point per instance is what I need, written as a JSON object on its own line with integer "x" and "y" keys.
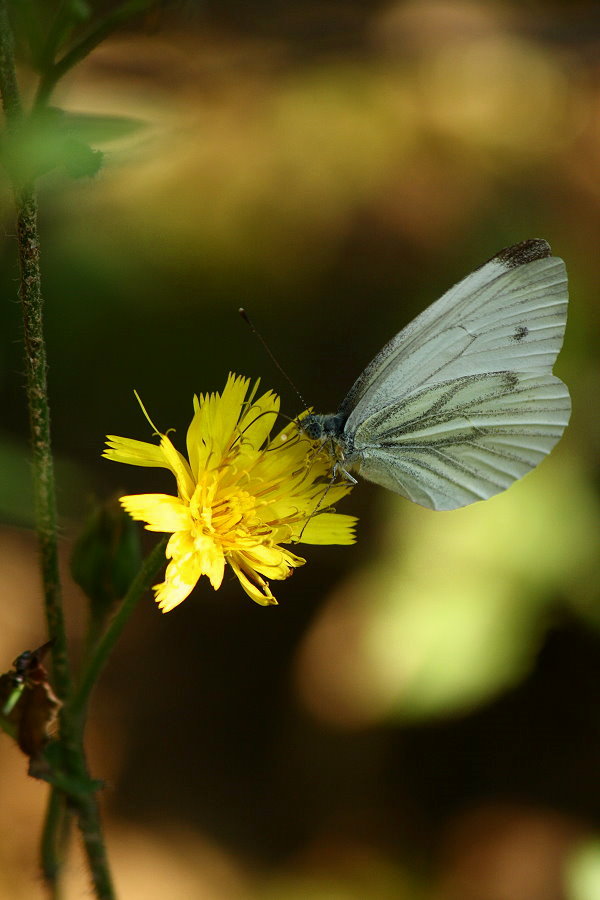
{"x": 327, "y": 431}
{"x": 323, "y": 428}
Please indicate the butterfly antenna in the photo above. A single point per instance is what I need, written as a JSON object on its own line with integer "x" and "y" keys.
{"x": 274, "y": 359}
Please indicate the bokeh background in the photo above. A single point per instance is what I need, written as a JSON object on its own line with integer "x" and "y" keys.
{"x": 420, "y": 716}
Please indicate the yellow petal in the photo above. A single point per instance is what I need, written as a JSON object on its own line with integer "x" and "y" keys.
{"x": 292, "y": 560}
{"x": 214, "y": 426}
{"x": 161, "y": 512}
{"x": 328, "y": 528}
{"x": 229, "y": 407}
{"x": 212, "y": 559}
{"x": 258, "y": 589}
{"x": 223, "y": 414}
{"x": 172, "y": 591}
{"x": 169, "y": 595}
{"x": 257, "y": 423}
{"x": 134, "y": 453}
{"x": 179, "y": 466}
{"x": 198, "y": 446}
{"x": 265, "y": 555}
{"x": 271, "y": 562}
{"x": 182, "y": 573}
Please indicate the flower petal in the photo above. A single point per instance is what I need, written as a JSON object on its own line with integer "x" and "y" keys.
{"x": 328, "y": 528}
{"x": 161, "y": 512}
{"x": 179, "y": 466}
{"x": 214, "y": 426}
{"x": 173, "y": 590}
{"x": 212, "y": 559}
{"x": 134, "y": 453}
{"x": 256, "y": 587}
{"x": 257, "y": 423}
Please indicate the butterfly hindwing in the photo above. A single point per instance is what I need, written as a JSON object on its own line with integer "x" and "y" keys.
{"x": 463, "y": 440}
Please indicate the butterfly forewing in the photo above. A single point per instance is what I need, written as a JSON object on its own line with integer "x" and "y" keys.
{"x": 463, "y": 402}
{"x": 502, "y": 316}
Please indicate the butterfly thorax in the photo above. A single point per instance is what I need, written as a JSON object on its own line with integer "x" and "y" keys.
{"x": 328, "y": 432}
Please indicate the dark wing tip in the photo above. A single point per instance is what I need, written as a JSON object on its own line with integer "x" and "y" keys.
{"x": 525, "y": 252}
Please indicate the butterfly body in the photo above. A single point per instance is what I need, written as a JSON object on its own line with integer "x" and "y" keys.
{"x": 328, "y": 431}
{"x": 462, "y": 402}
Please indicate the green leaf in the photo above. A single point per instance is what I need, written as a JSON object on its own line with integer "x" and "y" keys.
{"x": 53, "y": 138}
{"x": 97, "y": 129}
{"x": 80, "y": 160}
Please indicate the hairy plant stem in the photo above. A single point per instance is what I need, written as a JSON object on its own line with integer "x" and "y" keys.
{"x": 39, "y": 421}
{"x": 54, "y": 840}
{"x": 30, "y": 295}
{"x": 72, "y": 791}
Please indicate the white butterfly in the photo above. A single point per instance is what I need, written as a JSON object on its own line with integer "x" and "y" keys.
{"x": 462, "y": 402}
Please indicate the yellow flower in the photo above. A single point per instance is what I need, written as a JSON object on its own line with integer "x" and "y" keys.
{"x": 240, "y": 495}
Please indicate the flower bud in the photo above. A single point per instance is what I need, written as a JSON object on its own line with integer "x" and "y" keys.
{"x": 106, "y": 557}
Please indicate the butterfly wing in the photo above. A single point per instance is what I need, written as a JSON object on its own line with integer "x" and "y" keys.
{"x": 508, "y": 314}
{"x": 463, "y": 440}
{"x": 463, "y": 402}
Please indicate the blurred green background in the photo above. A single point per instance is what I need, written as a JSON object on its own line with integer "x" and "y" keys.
{"x": 419, "y": 717}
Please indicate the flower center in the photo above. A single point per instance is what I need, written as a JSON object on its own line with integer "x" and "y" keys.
{"x": 225, "y": 515}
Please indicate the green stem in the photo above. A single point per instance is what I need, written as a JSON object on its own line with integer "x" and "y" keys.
{"x": 26, "y": 21}
{"x": 30, "y": 294}
{"x": 64, "y": 21}
{"x": 54, "y": 838}
{"x": 88, "y": 819}
{"x": 11, "y": 100}
{"x": 43, "y": 474}
{"x": 39, "y": 418}
{"x": 94, "y": 665}
{"x": 73, "y": 791}
{"x": 95, "y": 37}
{"x": 87, "y": 805}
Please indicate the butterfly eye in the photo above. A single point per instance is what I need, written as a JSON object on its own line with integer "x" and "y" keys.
{"x": 312, "y": 426}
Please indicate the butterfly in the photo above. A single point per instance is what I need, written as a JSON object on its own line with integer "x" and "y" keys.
{"x": 461, "y": 402}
